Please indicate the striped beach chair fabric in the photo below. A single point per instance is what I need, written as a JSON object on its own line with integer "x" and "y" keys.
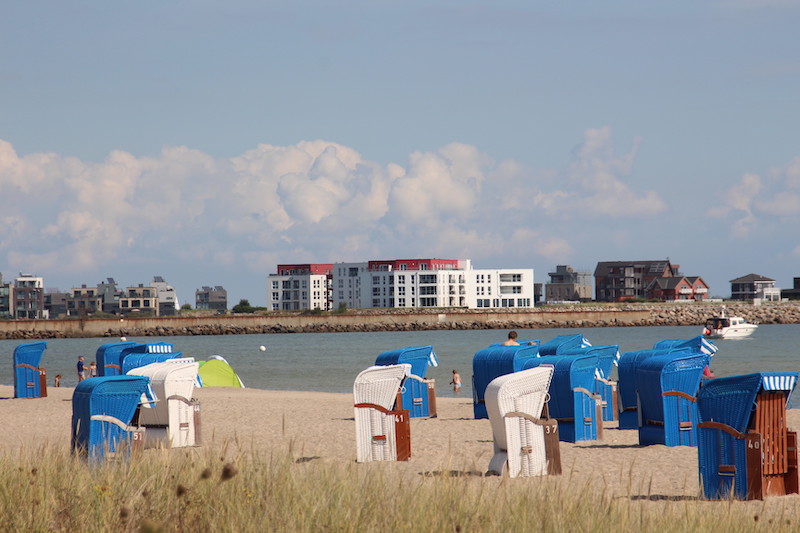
{"x": 745, "y": 449}
{"x": 109, "y": 358}
{"x": 374, "y": 393}
{"x": 514, "y": 403}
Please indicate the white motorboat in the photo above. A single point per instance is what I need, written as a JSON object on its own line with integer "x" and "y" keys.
{"x": 728, "y": 327}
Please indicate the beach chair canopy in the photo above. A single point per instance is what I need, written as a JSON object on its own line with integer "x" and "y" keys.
{"x": 730, "y": 400}
{"x": 103, "y": 408}
{"x": 374, "y": 394}
{"x": 569, "y": 372}
{"x": 629, "y": 363}
{"x": 109, "y": 358}
{"x": 217, "y": 372}
{"x": 679, "y": 372}
{"x": 696, "y": 344}
{"x": 136, "y": 360}
{"x": 27, "y": 358}
{"x": 419, "y": 357}
{"x": 563, "y": 343}
{"x": 170, "y": 380}
{"x": 607, "y": 357}
{"x": 493, "y": 362}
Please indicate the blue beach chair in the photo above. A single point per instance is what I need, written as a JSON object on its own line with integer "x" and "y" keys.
{"x": 627, "y": 385}
{"x": 493, "y": 362}
{"x": 563, "y": 343}
{"x": 607, "y": 357}
{"x": 745, "y": 449}
{"x": 28, "y": 382}
{"x": 667, "y": 390}
{"x": 418, "y": 393}
{"x": 109, "y": 358}
{"x": 573, "y": 402}
{"x": 103, "y": 410}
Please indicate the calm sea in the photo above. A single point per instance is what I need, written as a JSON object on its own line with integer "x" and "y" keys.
{"x": 329, "y": 362}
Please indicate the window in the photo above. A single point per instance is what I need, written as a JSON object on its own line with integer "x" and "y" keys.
{"x": 427, "y": 302}
{"x": 427, "y": 278}
{"x": 427, "y": 290}
{"x": 401, "y": 279}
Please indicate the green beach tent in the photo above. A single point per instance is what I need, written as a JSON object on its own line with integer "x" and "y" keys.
{"x": 216, "y": 372}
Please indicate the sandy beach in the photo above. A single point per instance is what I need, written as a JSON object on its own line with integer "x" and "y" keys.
{"x": 320, "y": 427}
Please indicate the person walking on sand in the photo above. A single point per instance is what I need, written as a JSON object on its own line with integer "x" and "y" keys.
{"x": 512, "y": 339}
{"x": 456, "y": 383}
{"x": 81, "y": 369}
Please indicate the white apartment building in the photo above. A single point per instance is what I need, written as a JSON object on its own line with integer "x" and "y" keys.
{"x": 429, "y": 283}
{"x": 299, "y": 286}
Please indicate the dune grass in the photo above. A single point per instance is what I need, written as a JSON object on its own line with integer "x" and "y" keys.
{"x": 199, "y": 490}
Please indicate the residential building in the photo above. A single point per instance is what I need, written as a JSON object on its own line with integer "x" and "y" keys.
{"x": 678, "y": 288}
{"x": 300, "y": 286}
{"x": 616, "y": 281}
{"x": 84, "y": 301}
{"x": 168, "y": 304}
{"x": 568, "y": 285}
{"x": 28, "y": 298}
{"x": 211, "y": 298}
{"x": 429, "y": 283}
{"x": 139, "y": 299}
{"x": 55, "y": 302}
{"x": 110, "y": 295}
{"x": 754, "y": 286}
{"x": 6, "y": 293}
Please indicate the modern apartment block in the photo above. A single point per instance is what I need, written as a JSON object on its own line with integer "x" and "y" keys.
{"x": 139, "y": 299}
{"x": 168, "y": 304}
{"x": 567, "y": 285}
{"x": 5, "y": 299}
{"x": 215, "y": 298}
{"x": 753, "y": 286}
{"x": 28, "y": 297}
{"x": 300, "y": 286}
{"x": 429, "y": 283}
{"x": 616, "y": 281}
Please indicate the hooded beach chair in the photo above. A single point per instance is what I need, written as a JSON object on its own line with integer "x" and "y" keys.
{"x": 109, "y": 358}
{"x": 103, "y": 412}
{"x": 573, "y": 402}
{"x": 514, "y": 403}
{"x": 563, "y": 343}
{"x": 133, "y": 361}
{"x": 627, "y": 385}
{"x": 174, "y": 418}
{"x": 493, "y": 362}
{"x": 604, "y": 385}
{"x": 695, "y": 344}
{"x": 745, "y": 449}
{"x": 30, "y": 381}
{"x": 374, "y": 394}
{"x": 667, "y": 391}
{"x": 418, "y": 395}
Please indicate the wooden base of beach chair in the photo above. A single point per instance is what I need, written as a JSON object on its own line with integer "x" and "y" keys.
{"x": 196, "y": 413}
{"x": 552, "y": 448}
{"x": 42, "y": 382}
{"x": 138, "y": 436}
{"x": 431, "y": 397}
{"x": 402, "y": 432}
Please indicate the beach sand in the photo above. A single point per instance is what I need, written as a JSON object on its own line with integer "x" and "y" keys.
{"x": 320, "y": 427}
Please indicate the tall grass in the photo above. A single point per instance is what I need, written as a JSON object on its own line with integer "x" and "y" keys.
{"x": 198, "y": 490}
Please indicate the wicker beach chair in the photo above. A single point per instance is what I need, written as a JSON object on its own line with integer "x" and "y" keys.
{"x": 30, "y": 380}
{"x": 667, "y": 390}
{"x": 745, "y": 449}
{"x": 174, "y": 419}
{"x": 418, "y": 394}
{"x": 573, "y": 402}
{"x": 493, "y": 362}
{"x": 514, "y": 403}
{"x": 103, "y": 411}
{"x": 374, "y": 393}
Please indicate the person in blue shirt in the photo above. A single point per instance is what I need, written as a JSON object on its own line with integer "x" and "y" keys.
{"x": 81, "y": 369}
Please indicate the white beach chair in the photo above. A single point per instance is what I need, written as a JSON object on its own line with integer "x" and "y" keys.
{"x": 172, "y": 419}
{"x": 514, "y": 403}
{"x": 374, "y": 393}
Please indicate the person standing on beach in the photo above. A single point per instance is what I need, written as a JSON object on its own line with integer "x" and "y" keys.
{"x": 92, "y": 369}
{"x": 81, "y": 369}
{"x": 456, "y": 383}
{"x": 512, "y": 339}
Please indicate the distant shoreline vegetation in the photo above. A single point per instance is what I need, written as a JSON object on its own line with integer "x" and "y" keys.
{"x": 260, "y": 321}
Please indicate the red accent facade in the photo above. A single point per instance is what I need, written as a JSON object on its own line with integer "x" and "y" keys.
{"x": 305, "y": 268}
{"x": 414, "y": 264}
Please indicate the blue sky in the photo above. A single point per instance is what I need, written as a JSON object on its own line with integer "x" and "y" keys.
{"x": 206, "y": 142}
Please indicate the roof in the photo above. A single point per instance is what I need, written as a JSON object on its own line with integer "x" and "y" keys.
{"x": 653, "y": 267}
{"x": 751, "y": 277}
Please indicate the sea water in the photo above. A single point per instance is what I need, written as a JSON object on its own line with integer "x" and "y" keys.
{"x": 329, "y": 362}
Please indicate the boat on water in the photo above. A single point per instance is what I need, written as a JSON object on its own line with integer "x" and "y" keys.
{"x": 728, "y": 327}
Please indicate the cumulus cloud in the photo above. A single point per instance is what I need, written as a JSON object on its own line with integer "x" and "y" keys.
{"x": 315, "y": 201}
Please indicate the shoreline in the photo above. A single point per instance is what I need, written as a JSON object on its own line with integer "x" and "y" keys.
{"x": 562, "y": 316}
